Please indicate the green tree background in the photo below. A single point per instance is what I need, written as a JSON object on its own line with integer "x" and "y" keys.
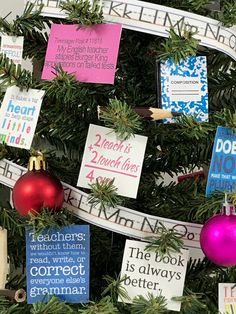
{"x": 67, "y": 110}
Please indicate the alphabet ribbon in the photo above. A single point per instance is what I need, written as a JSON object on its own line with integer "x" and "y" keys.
{"x": 157, "y": 20}
{"x": 122, "y": 220}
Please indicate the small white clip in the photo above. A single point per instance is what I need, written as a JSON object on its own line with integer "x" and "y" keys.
{"x": 14, "y": 39}
{"x": 227, "y": 207}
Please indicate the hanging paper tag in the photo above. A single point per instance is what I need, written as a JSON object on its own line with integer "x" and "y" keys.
{"x": 3, "y": 258}
{"x": 12, "y": 47}
{"x": 57, "y": 263}
{"x": 19, "y": 115}
{"x": 184, "y": 87}
{"x": 88, "y": 52}
{"x": 222, "y": 173}
{"x": 227, "y": 298}
{"x": 106, "y": 158}
{"x": 148, "y": 272}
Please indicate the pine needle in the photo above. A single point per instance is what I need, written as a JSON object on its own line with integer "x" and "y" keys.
{"x": 104, "y": 194}
{"x": 82, "y": 12}
{"x": 149, "y": 305}
{"x": 122, "y": 118}
{"x": 179, "y": 46}
{"x": 166, "y": 242}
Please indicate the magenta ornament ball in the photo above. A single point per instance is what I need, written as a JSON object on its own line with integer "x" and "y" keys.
{"x": 218, "y": 239}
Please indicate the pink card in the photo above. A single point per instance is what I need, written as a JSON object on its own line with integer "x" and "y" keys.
{"x": 88, "y": 52}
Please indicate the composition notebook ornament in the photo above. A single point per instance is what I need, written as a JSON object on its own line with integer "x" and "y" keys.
{"x": 184, "y": 87}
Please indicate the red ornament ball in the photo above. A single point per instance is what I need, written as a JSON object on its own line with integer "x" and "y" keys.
{"x": 35, "y": 190}
{"x": 218, "y": 238}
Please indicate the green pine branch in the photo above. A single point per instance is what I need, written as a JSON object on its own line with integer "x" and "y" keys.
{"x": 171, "y": 150}
{"x": 115, "y": 289}
{"x": 63, "y": 88}
{"x": 48, "y": 218}
{"x": 12, "y": 221}
{"x": 222, "y": 85}
{"x": 69, "y": 107}
{"x": 122, "y": 118}
{"x": 192, "y": 303}
{"x": 150, "y": 305}
{"x": 165, "y": 242}
{"x": 12, "y": 74}
{"x": 6, "y": 307}
{"x": 226, "y": 118}
{"x": 191, "y": 128}
{"x": 166, "y": 197}
{"x": 31, "y": 46}
{"x": 197, "y": 5}
{"x": 25, "y": 23}
{"x": 104, "y": 306}
{"x": 179, "y": 45}
{"x": 227, "y": 14}
{"x": 82, "y": 12}
{"x": 32, "y": 25}
{"x": 3, "y": 151}
{"x": 212, "y": 205}
{"x": 16, "y": 281}
{"x": 53, "y": 306}
{"x": 201, "y": 283}
{"x": 209, "y": 206}
{"x": 104, "y": 194}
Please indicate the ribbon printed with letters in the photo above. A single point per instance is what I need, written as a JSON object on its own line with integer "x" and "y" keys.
{"x": 120, "y": 219}
{"x": 157, "y": 20}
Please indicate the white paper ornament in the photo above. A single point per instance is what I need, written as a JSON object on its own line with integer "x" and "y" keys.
{"x": 3, "y": 258}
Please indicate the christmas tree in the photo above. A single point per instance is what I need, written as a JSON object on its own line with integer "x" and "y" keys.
{"x": 70, "y": 106}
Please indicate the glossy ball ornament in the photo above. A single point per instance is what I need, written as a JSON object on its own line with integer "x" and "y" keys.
{"x": 37, "y": 189}
{"x": 218, "y": 237}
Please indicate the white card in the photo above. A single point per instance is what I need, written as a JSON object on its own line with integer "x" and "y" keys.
{"x": 12, "y": 47}
{"x": 146, "y": 273}
{"x": 3, "y": 258}
{"x": 105, "y": 157}
{"x": 19, "y": 115}
{"x": 227, "y": 298}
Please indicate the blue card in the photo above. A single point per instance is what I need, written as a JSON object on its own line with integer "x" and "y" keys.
{"x": 184, "y": 87}
{"x": 222, "y": 173}
{"x": 57, "y": 263}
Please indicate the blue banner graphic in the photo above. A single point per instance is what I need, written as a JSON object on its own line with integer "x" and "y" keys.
{"x": 57, "y": 262}
{"x": 222, "y": 173}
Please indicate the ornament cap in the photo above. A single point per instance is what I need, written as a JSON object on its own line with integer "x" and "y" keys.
{"x": 227, "y": 208}
{"x": 37, "y": 162}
